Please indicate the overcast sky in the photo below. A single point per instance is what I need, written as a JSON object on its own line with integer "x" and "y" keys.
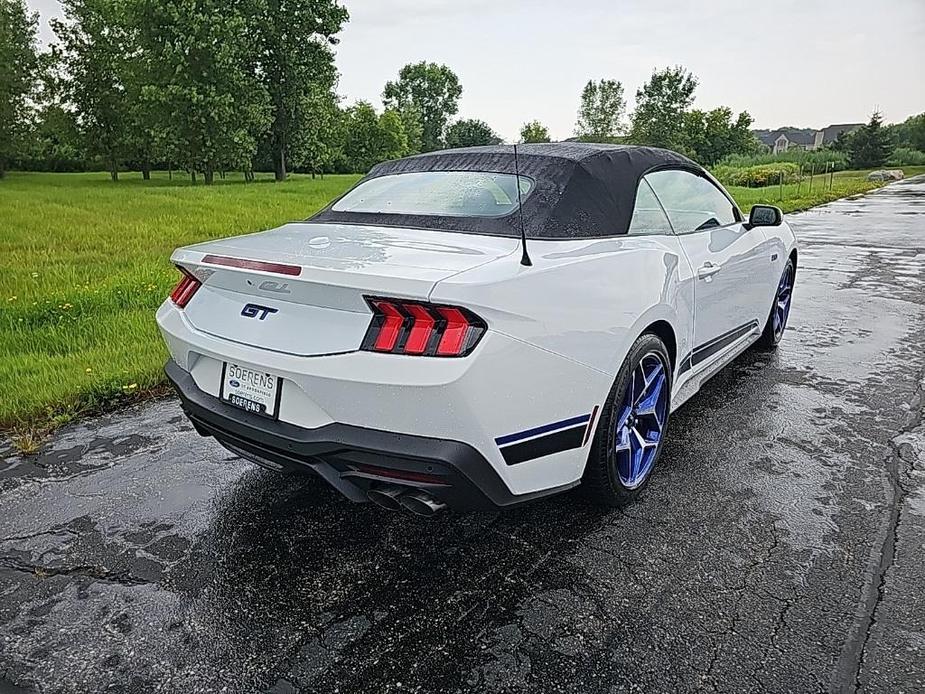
{"x": 787, "y": 62}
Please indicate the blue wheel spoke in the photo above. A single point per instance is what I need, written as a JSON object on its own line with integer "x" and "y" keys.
{"x": 638, "y": 455}
{"x": 623, "y": 439}
{"x": 653, "y": 381}
{"x": 624, "y": 415}
{"x": 652, "y": 396}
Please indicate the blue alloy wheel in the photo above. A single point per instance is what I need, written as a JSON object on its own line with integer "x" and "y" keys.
{"x": 782, "y": 301}
{"x": 641, "y": 419}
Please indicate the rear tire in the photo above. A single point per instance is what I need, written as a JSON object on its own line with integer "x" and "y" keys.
{"x": 632, "y": 426}
{"x": 776, "y": 324}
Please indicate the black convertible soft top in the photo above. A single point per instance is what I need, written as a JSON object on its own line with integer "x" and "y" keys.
{"x": 581, "y": 189}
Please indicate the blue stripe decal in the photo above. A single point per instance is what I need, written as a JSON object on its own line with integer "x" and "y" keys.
{"x": 510, "y": 438}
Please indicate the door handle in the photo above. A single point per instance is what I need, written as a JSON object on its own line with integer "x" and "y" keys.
{"x": 707, "y": 270}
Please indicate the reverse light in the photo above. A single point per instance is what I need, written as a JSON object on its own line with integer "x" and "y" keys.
{"x": 185, "y": 288}
{"x": 421, "y": 329}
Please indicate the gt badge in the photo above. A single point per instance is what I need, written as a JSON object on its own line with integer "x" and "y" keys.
{"x": 256, "y": 311}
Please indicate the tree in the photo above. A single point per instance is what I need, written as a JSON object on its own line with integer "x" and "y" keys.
{"x": 708, "y": 136}
{"x": 317, "y": 142}
{"x": 660, "y": 105}
{"x": 471, "y": 133}
{"x": 600, "y": 115}
{"x": 91, "y": 51}
{"x": 534, "y": 131}
{"x": 842, "y": 143}
{"x": 18, "y": 65}
{"x": 411, "y": 123}
{"x": 54, "y": 142}
{"x": 910, "y": 133}
{"x": 393, "y": 137}
{"x": 433, "y": 91}
{"x": 370, "y": 139}
{"x": 203, "y": 87}
{"x": 296, "y": 66}
{"x": 870, "y": 145}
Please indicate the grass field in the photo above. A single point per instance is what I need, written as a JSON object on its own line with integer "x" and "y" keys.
{"x": 84, "y": 263}
{"x": 795, "y": 197}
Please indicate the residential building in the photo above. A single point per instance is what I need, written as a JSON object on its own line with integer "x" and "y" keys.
{"x": 784, "y": 139}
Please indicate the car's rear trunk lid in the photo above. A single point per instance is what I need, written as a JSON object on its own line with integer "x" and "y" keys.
{"x": 315, "y": 299}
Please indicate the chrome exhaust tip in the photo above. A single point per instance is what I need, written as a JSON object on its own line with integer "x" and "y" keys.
{"x": 421, "y": 503}
{"x": 386, "y": 497}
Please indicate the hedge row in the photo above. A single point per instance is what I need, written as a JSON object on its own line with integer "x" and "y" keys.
{"x": 757, "y": 176}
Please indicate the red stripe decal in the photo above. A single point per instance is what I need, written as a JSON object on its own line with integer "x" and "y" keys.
{"x": 244, "y": 264}
{"x": 590, "y": 425}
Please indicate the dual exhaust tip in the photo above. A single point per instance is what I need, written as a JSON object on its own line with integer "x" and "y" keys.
{"x": 396, "y": 498}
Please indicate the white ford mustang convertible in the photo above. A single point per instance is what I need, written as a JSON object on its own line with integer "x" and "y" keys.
{"x": 481, "y": 327}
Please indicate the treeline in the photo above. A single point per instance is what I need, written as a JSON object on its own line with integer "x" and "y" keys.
{"x": 664, "y": 117}
{"x": 210, "y": 86}
{"x": 205, "y": 86}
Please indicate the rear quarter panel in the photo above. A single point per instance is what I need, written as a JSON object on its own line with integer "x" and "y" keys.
{"x": 585, "y": 300}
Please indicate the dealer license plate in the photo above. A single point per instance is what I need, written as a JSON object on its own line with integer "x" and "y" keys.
{"x": 250, "y": 389}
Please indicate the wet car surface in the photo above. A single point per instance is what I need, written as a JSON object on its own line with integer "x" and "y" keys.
{"x": 778, "y": 548}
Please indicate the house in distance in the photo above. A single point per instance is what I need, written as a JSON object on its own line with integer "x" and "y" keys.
{"x": 783, "y": 139}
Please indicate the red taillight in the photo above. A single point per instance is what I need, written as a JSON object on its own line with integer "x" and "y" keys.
{"x": 416, "y": 328}
{"x": 185, "y": 288}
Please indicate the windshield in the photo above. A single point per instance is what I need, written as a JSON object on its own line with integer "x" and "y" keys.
{"x": 437, "y": 193}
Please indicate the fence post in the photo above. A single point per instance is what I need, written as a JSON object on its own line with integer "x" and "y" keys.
{"x": 832, "y": 177}
{"x": 812, "y": 172}
{"x": 800, "y": 180}
{"x": 781, "y": 194}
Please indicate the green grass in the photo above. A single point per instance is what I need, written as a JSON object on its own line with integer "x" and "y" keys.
{"x": 84, "y": 264}
{"x": 798, "y": 196}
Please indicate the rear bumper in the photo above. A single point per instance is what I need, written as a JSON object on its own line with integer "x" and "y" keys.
{"x": 352, "y": 458}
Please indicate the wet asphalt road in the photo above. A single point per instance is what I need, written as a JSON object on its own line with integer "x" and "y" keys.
{"x": 779, "y": 547}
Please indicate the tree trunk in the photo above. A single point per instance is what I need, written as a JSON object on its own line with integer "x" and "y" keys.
{"x": 281, "y": 163}
{"x": 113, "y": 171}
{"x": 192, "y": 175}
{"x": 2, "y": 168}
{"x": 146, "y": 170}
{"x": 208, "y": 176}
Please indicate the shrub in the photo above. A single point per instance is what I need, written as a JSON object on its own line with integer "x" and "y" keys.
{"x": 757, "y": 176}
{"x": 906, "y": 156}
{"x": 819, "y": 157}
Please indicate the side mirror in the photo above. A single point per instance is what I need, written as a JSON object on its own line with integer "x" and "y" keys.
{"x": 765, "y": 216}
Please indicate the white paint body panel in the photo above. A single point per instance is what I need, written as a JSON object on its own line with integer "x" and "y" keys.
{"x": 558, "y": 331}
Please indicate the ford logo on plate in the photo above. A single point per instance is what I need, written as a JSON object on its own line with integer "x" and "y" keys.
{"x": 233, "y": 383}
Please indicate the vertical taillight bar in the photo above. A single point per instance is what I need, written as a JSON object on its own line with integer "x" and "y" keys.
{"x": 185, "y": 288}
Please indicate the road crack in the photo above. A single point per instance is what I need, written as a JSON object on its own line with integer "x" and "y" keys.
{"x": 854, "y": 655}
{"x": 97, "y": 573}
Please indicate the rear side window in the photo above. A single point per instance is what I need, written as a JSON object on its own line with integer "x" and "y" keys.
{"x": 437, "y": 193}
{"x": 692, "y": 202}
{"x": 648, "y": 215}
